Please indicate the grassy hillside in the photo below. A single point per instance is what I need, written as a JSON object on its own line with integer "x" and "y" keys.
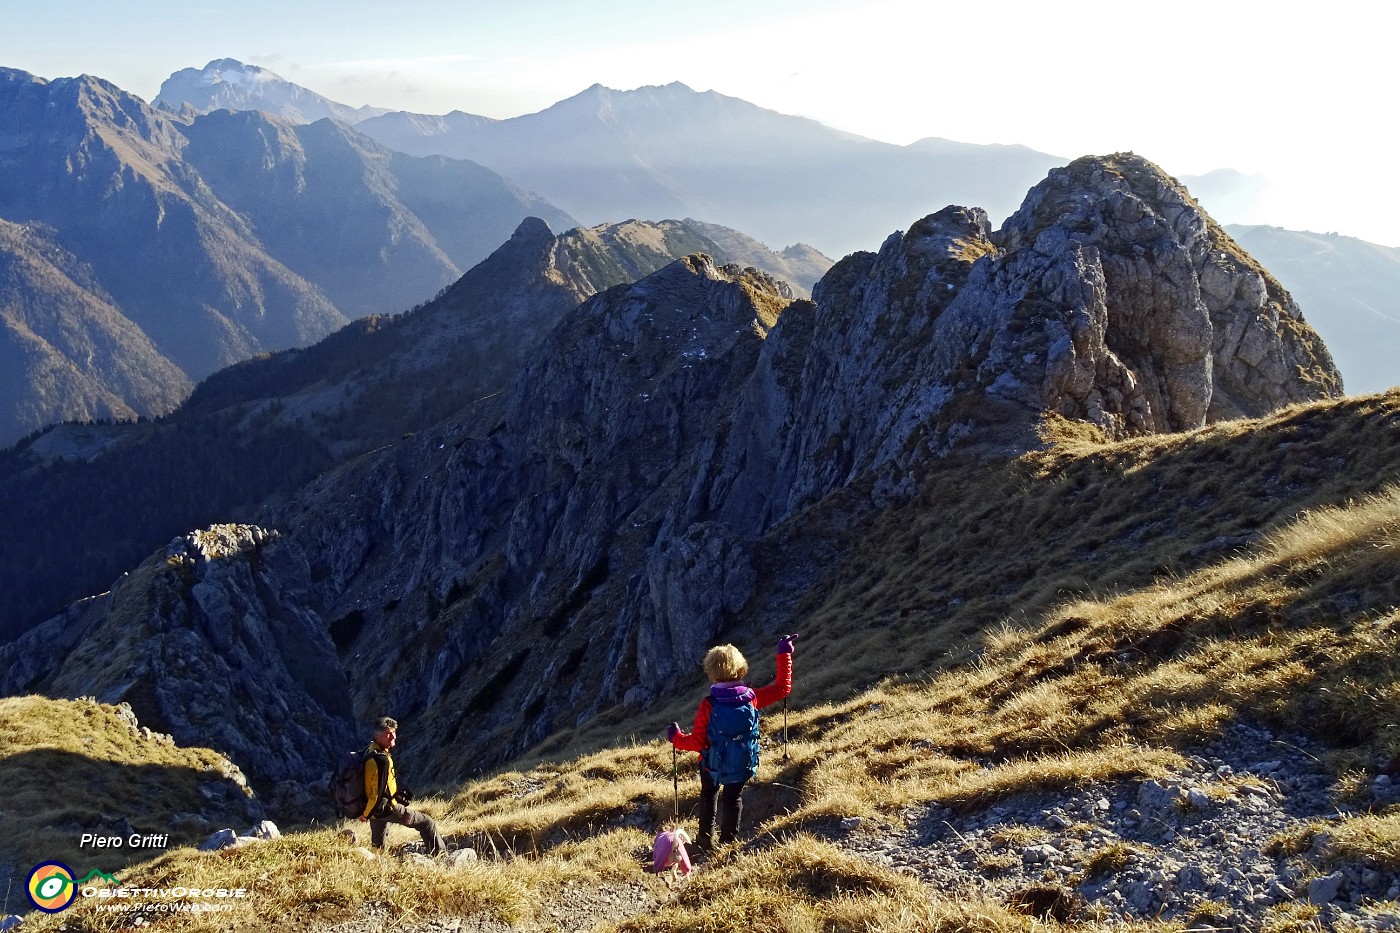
{"x": 1086, "y": 612}
{"x": 71, "y": 767}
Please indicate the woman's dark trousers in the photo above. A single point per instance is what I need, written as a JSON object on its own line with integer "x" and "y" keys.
{"x": 730, "y": 805}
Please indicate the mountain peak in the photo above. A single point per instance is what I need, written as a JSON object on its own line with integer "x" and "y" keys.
{"x": 229, "y": 84}
{"x": 532, "y": 229}
{"x": 597, "y": 92}
{"x": 232, "y": 71}
{"x": 231, "y": 64}
{"x": 17, "y": 76}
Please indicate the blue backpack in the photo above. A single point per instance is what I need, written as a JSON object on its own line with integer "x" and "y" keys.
{"x": 732, "y": 755}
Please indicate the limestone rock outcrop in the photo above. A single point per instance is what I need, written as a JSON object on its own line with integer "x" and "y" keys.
{"x": 1207, "y": 334}
{"x": 1108, "y": 297}
{"x": 211, "y": 641}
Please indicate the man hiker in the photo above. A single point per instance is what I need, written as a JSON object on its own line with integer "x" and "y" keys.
{"x": 385, "y": 802}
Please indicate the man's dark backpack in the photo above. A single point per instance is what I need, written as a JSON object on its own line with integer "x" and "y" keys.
{"x": 347, "y": 785}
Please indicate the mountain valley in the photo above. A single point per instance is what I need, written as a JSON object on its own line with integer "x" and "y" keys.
{"x": 1092, "y": 557}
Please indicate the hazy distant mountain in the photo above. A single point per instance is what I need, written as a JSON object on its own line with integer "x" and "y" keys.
{"x": 656, "y": 152}
{"x": 670, "y": 151}
{"x": 66, "y": 353}
{"x": 228, "y": 84}
{"x": 214, "y": 237}
{"x": 375, "y": 230}
{"x": 106, "y": 174}
{"x": 1350, "y": 291}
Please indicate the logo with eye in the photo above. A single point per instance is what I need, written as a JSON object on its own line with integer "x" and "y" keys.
{"x": 51, "y": 887}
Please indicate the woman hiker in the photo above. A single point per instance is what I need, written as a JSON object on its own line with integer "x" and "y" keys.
{"x": 725, "y": 734}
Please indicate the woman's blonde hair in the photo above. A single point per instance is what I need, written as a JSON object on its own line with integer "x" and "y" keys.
{"x": 724, "y": 662}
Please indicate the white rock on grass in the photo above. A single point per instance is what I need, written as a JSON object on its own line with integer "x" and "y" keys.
{"x": 223, "y": 839}
{"x": 1326, "y": 889}
{"x": 459, "y": 858}
{"x": 265, "y": 830}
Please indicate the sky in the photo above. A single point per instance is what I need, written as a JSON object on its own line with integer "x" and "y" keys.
{"x": 1298, "y": 97}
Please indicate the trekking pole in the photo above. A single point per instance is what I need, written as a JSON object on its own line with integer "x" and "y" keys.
{"x": 788, "y": 639}
{"x": 675, "y": 787}
{"x": 785, "y": 751}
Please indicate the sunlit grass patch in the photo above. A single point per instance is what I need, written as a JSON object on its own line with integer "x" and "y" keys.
{"x": 800, "y": 883}
{"x": 984, "y": 787}
{"x": 1109, "y": 860}
{"x": 77, "y": 766}
{"x": 1373, "y": 837}
{"x": 320, "y": 878}
{"x": 1292, "y": 917}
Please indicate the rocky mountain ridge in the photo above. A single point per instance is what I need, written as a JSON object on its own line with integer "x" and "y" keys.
{"x": 533, "y": 519}
{"x": 673, "y": 463}
{"x": 470, "y": 341}
{"x": 553, "y": 554}
{"x": 300, "y": 412}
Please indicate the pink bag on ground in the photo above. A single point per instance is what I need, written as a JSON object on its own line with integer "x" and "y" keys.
{"x": 668, "y": 853}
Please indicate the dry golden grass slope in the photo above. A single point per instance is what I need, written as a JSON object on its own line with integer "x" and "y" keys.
{"x": 1086, "y": 612}
{"x": 69, "y": 767}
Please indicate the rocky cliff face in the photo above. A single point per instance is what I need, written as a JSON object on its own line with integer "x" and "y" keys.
{"x": 212, "y": 641}
{"x": 677, "y": 458}
{"x": 305, "y": 410}
{"x": 464, "y": 571}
